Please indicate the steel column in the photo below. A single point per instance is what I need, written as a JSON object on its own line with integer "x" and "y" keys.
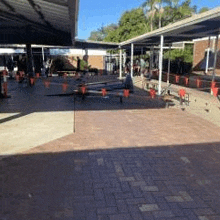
{"x": 43, "y": 57}
{"x": 30, "y": 70}
{"x": 132, "y": 57}
{"x": 168, "y": 72}
{"x": 160, "y": 63}
{"x": 141, "y": 70}
{"x": 207, "y": 57}
{"x": 151, "y": 60}
{"x": 215, "y": 58}
{"x": 120, "y": 63}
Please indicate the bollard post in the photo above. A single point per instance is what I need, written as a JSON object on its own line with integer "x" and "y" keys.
{"x": 47, "y": 84}
{"x": 83, "y": 91}
{"x": 152, "y": 93}
{"x": 64, "y": 86}
{"x": 182, "y": 94}
{"x": 215, "y": 91}
{"x": 104, "y": 92}
{"x": 186, "y": 79}
{"x": 65, "y": 75}
{"x": 32, "y": 81}
{"x": 198, "y": 82}
{"x": 5, "y": 89}
{"x": 126, "y": 93}
{"x": 177, "y": 78}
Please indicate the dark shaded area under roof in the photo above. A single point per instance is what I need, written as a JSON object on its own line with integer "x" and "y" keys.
{"x": 48, "y": 22}
{"x": 81, "y": 44}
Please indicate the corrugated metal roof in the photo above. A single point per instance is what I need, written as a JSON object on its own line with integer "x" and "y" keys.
{"x": 52, "y": 22}
{"x": 197, "y": 26}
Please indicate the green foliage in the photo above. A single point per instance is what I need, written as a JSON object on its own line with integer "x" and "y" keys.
{"x": 131, "y": 24}
{"x": 174, "y": 12}
{"x": 102, "y": 32}
{"x": 203, "y": 9}
{"x": 152, "y": 14}
{"x": 84, "y": 65}
{"x": 186, "y": 54}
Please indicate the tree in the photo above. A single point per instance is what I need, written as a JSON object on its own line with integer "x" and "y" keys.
{"x": 132, "y": 23}
{"x": 203, "y": 9}
{"x": 186, "y": 54}
{"x": 102, "y": 32}
{"x": 174, "y": 11}
{"x": 150, "y": 7}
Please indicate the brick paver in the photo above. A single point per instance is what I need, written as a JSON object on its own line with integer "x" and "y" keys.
{"x": 124, "y": 164}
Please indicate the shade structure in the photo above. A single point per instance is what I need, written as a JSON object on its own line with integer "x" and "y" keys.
{"x": 88, "y": 44}
{"x": 197, "y": 26}
{"x": 48, "y": 22}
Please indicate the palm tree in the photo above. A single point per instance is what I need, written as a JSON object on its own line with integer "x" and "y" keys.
{"x": 160, "y": 11}
{"x": 150, "y": 6}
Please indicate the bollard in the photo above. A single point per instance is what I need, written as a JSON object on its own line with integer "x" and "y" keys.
{"x": 177, "y": 78}
{"x": 213, "y": 84}
{"x": 198, "y": 82}
{"x": 215, "y": 91}
{"x": 65, "y": 75}
{"x": 182, "y": 94}
{"x": 152, "y": 93}
{"x": 47, "y": 84}
{"x": 32, "y": 81}
{"x": 5, "y": 89}
{"x": 64, "y": 86}
{"x": 126, "y": 93}
{"x": 186, "y": 79}
{"x": 83, "y": 89}
{"x": 104, "y": 92}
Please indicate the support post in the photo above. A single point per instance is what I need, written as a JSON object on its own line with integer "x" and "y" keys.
{"x": 207, "y": 57}
{"x": 151, "y": 60}
{"x": 168, "y": 71}
{"x": 124, "y": 61}
{"x": 43, "y": 57}
{"x": 160, "y": 63}
{"x": 120, "y": 63}
{"x": 132, "y": 57}
{"x": 215, "y": 57}
{"x": 141, "y": 70}
{"x": 1, "y": 95}
{"x": 30, "y": 70}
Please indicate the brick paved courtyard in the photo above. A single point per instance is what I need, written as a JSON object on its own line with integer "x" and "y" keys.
{"x": 130, "y": 161}
{"x": 175, "y": 182}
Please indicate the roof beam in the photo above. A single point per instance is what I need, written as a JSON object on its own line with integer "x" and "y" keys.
{"x": 73, "y": 11}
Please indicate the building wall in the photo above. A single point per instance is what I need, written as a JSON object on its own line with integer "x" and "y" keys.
{"x": 96, "y": 62}
{"x": 95, "y": 58}
{"x": 200, "y": 47}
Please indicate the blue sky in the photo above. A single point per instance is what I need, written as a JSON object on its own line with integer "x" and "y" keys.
{"x": 95, "y": 13}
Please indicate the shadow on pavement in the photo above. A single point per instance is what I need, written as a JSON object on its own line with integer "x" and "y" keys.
{"x": 134, "y": 183}
{"x": 25, "y": 100}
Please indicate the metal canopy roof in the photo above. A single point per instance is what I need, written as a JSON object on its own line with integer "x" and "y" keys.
{"x": 88, "y": 44}
{"x": 48, "y": 22}
{"x": 197, "y": 26}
